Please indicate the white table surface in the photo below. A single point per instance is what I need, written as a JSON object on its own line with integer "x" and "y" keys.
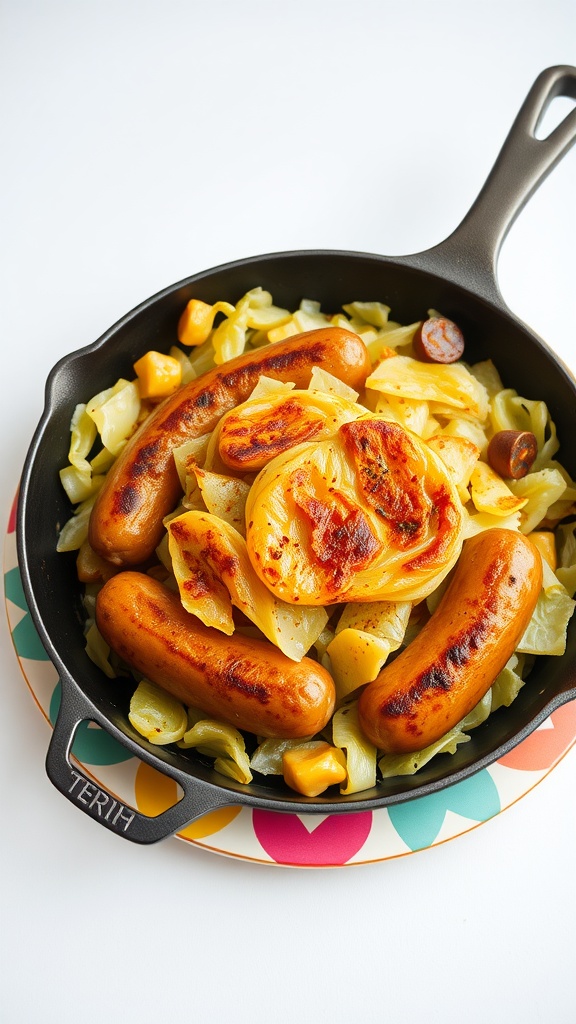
{"x": 144, "y": 141}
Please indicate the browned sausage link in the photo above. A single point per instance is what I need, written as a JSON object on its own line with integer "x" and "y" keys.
{"x": 456, "y": 657}
{"x": 248, "y": 683}
{"x": 142, "y": 485}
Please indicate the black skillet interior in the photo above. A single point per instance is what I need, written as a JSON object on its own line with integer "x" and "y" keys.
{"x": 410, "y": 286}
{"x": 333, "y": 279}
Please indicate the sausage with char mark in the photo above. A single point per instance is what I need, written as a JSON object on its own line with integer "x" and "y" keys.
{"x": 248, "y": 683}
{"x": 456, "y": 657}
{"x": 142, "y": 486}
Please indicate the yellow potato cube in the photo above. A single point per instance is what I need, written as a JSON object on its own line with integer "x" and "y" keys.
{"x": 195, "y": 323}
{"x": 356, "y": 658}
{"x": 311, "y": 771}
{"x": 158, "y": 375}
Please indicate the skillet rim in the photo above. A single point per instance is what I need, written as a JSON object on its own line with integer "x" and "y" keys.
{"x": 251, "y": 795}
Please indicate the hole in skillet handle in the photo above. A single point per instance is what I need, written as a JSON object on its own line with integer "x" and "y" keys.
{"x": 199, "y": 797}
{"x": 554, "y": 115}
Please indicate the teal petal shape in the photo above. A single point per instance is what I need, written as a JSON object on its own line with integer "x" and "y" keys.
{"x": 418, "y": 822}
{"x": 92, "y": 745}
{"x": 13, "y": 588}
{"x": 26, "y": 639}
{"x": 27, "y": 642}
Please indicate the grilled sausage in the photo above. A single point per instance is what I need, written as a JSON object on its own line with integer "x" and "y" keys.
{"x": 454, "y": 660}
{"x": 248, "y": 683}
{"x": 143, "y": 486}
{"x": 438, "y": 341}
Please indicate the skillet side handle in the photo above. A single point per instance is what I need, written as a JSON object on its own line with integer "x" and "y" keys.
{"x": 199, "y": 796}
{"x": 521, "y": 166}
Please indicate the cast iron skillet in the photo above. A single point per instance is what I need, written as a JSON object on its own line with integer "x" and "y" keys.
{"x": 458, "y": 277}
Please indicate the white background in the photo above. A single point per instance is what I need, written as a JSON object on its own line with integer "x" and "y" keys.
{"x": 142, "y": 142}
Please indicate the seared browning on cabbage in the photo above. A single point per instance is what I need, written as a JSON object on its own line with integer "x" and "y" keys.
{"x": 328, "y": 522}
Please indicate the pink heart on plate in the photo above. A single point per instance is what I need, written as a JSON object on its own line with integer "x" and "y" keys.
{"x": 544, "y": 747}
{"x": 333, "y": 842}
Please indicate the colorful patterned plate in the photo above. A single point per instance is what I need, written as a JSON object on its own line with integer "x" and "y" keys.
{"x": 296, "y": 840}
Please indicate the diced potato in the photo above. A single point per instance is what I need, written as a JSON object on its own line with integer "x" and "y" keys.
{"x": 367, "y": 632}
{"x": 197, "y": 319}
{"x": 356, "y": 657}
{"x": 158, "y": 375}
{"x": 310, "y": 772}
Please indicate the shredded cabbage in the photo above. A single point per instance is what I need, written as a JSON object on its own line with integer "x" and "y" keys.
{"x": 220, "y": 741}
{"x": 157, "y": 715}
{"x": 360, "y": 753}
{"x": 546, "y": 631}
{"x": 454, "y": 408}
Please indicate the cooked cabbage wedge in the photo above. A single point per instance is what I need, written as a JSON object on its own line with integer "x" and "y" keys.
{"x": 414, "y": 414}
{"x": 368, "y": 514}
{"x": 224, "y": 497}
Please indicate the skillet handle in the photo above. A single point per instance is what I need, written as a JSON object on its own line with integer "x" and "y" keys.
{"x": 521, "y": 166}
{"x": 199, "y": 796}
